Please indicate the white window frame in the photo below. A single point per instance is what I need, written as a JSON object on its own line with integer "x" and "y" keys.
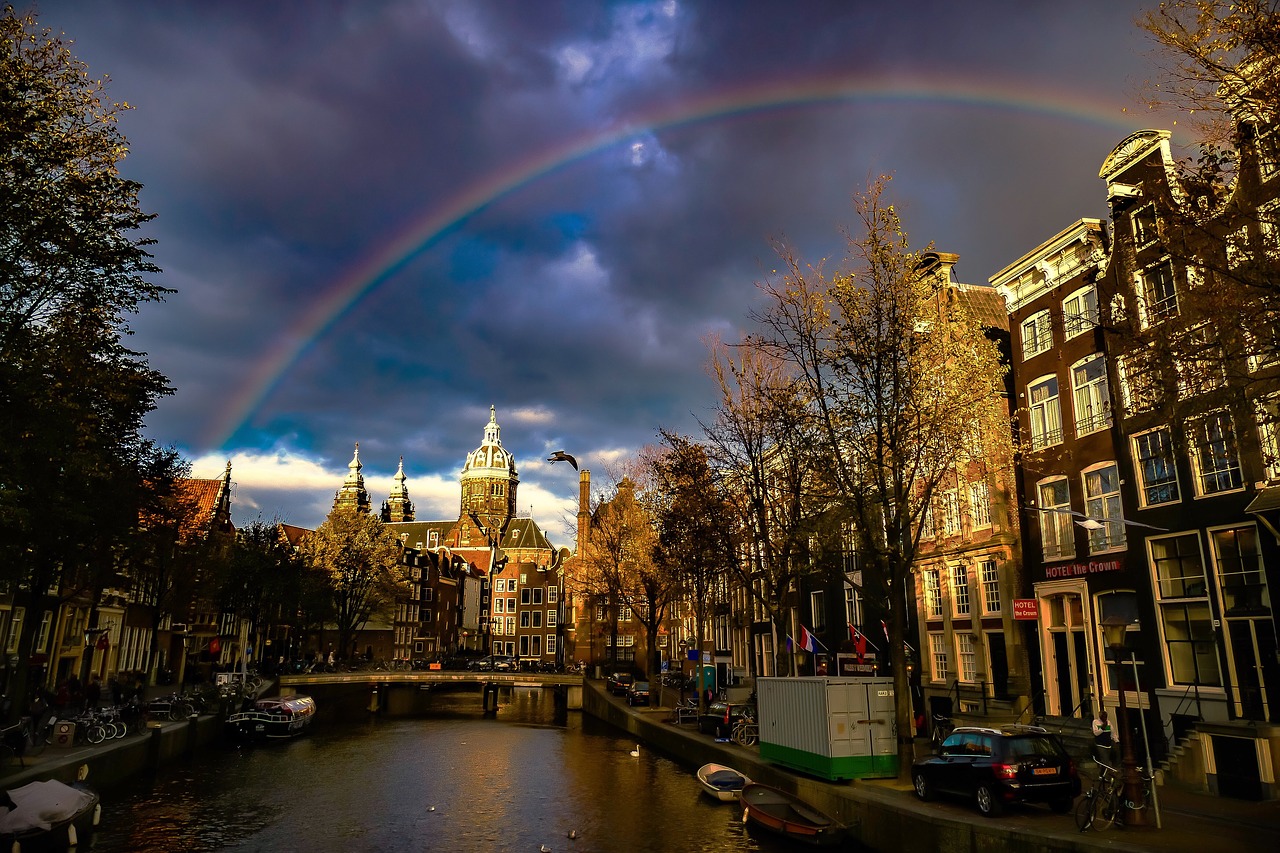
{"x": 852, "y": 604}
{"x": 1080, "y": 312}
{"x": 1045, "y": 415}
{"x": 551, "y": 618}
{"x": 1164, "y": 491}
{"x": 950, "y": 512}
{"x": 1102, "y": 503}
{"x": 1203, "y": 451}
{"x": 1145, "y": 225}
{"x": 989, "y": 577}
{"x": 1157, "y": 297}
{"x": 15, "y": 629}
{"x": 932, "y": 581}
{"x": 1179, "y": 596}
{"x": 959, "y": 577}
{"x": 1037, "y": 334}
{"x": 1138, "y": 388}
{"x": 1267, "y": 418}
{"x": 938, "y": 656}
{"x": 1091, "y": 397}
{"x": 1056, "y": 519}
{"x": 818, "y": 610}
{"x": 979, "y": 504}
{"x": 966, "y": 658}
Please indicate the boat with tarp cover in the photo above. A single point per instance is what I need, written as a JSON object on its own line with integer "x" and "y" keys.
{"x": 723, "y": 783}
{"x": 47, "y": 815}
{"x": 273, "y": 718}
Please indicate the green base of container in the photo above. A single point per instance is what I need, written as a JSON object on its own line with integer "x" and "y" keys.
{"x": 832, "y": 769}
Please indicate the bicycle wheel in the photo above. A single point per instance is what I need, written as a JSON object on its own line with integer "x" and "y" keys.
{"x": 95, "y": 734}
{"x": 36, "y": 743}
{"x": 1106, "y": 807}
{"x": 1084, "y": 812}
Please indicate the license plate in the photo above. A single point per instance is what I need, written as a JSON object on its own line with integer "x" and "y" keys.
{"x": 1045, "y": 771}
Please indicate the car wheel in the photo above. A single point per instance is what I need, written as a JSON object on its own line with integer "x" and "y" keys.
{"x": 988, "y": 801}
{"x": 1062, "y": 805}
{"x": 923, "y": 789}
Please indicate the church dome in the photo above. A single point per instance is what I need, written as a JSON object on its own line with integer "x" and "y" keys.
{"x": 490, "y": 455}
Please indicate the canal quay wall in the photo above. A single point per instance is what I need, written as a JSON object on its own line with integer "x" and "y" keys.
{"x": 115, "y": 761}
{"x": 884, "y": 817}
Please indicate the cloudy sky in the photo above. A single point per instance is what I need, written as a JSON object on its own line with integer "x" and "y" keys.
{"x": 381, "y": 218}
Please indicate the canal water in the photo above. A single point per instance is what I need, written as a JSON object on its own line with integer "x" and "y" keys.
{"x": 453, "y": 780}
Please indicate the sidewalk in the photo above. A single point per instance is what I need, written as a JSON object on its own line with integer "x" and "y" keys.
{"x": 1190, "y": 822}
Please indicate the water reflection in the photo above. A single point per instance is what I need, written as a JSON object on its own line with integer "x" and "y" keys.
{"x": 452, "y": 781}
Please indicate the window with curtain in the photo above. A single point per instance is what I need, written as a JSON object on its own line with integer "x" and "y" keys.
{"x": 1057, "y": 534}
{"x": 1092, "y": 400}
{"x": 1045, "y": 412}
{"x": 1102, "y": 506}
{"x": 1080, "y": 311}
{"x": 1037, "y": 334}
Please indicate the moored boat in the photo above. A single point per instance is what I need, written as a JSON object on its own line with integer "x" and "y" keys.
{"x": 723, "y": 783}
{"x": 273, "y": 718}
{"x": 47, "y": 815}
{"x": 781, "y": 813}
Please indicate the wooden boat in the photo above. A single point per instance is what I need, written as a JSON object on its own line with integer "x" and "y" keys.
{"x": 48, "y": 815}
{"x": 273, "y": 718}
{"x": 780, "y": 813}
{"x": 723, "y": 783}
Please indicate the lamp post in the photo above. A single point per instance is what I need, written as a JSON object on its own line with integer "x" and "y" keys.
{"x": 493, "y": 539}
{"x": 1114, "y": 629}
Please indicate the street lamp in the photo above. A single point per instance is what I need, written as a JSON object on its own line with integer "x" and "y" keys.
{"x": 1114, "y": 630}
{"x": 493, "y": 539}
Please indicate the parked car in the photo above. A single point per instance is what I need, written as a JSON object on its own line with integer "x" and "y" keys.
{"x": 996, "y": 768}
{"x": 638, "y": 693}
{"x": 492, "y": 663}
{"x": 619, "y": 682}
{"x": 720, "y": 717}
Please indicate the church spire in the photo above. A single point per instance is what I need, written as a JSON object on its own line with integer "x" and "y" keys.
{"x": 353, "y": 494}
{"x": 398, "y": 507}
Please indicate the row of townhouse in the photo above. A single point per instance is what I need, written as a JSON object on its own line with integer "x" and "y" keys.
{"x": 1142, "y": 492}
{"x": 142, "y": 622}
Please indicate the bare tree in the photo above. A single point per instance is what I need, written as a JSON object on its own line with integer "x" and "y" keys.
{"x": 899, "y": 380}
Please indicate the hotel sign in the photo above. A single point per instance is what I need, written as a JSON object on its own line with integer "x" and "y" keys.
{"x": 1025, "y": 608}
{"x": 1080, "y": 570}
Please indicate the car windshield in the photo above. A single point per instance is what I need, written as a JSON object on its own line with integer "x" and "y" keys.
{"x": 640, "y": 686}
{"x": 1033, "y": 747}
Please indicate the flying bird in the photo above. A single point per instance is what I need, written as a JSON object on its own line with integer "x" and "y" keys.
{"x": 561, "y": 456}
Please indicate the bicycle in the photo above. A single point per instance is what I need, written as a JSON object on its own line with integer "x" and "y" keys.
{"x": 746, "y": 732}
{"x": 942, "y": 729}
{"x": 1099, "y": 806}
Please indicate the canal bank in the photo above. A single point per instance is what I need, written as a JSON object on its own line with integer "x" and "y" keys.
{"x": 115, "y": 761}
{"x": 888, "y": 816}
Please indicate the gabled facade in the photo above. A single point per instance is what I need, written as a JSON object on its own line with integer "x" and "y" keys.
{"x": 972, "y": 662}
{"x": 1197, "y": 424}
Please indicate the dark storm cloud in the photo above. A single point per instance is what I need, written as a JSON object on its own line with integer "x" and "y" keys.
{"x": 281, "y": 144}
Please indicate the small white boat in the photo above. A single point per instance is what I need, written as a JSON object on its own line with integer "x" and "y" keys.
{"x": 48, "y": 815}
{"x": 723, "y": 783}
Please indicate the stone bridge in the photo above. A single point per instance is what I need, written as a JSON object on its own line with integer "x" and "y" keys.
{"x": 387, "y": 691}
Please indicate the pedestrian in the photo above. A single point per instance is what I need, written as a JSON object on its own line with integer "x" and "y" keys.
{"x": 93, "y": 694}
{"x": 1103, "y": 739}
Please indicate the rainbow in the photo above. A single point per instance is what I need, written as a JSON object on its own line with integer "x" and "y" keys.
{"x": 385, "y": 259}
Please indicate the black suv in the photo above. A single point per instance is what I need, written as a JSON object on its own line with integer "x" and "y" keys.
{"x": 995, "y": 768}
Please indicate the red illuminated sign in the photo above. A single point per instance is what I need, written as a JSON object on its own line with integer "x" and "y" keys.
{"x": 1025, "y": 608}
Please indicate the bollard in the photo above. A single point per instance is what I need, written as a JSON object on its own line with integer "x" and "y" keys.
{"x": 373, "y": 701}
